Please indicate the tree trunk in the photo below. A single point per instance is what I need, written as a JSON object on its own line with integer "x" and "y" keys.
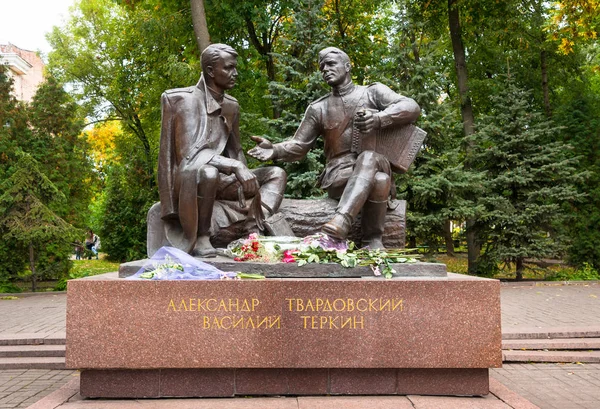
{"x": 340, "y": 23}
{"x": 415, "y": 49}
{"x": 460, "y": 62}
{"x": 448, "y": 239}
{"x": 135, "y": 124}
{"x": 412, "y": 242}
{"x": 32, "y": 266}
{"x": 473, "y": 245}
{"x": 200, "y": 25}
{"x": 466, "y": 110}
{"x": 520, "y": 268}
{"x": 545, "y": 89}
{"x": 264, "y": 48}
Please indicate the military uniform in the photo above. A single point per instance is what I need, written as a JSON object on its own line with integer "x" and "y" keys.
{"x": 332, "y": 117}
{"x": 354, "y": 172}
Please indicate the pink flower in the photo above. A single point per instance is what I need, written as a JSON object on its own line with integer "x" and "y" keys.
{"x": 288, "y": 257}
{"x": 253, "y": 236}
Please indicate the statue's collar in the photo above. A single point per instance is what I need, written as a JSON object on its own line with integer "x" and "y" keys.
{"x": 212, "y": 105}
{"x": 345, "y": 90}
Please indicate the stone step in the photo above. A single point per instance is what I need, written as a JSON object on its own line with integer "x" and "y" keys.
{"x": 551, "y": 356}
{"x": 15, "y": 351}
{"x": 552, "y": 344}
{"x": 33, "y": 339}
{"x": 33, "y": 363}
{"x": 551, "y": 333}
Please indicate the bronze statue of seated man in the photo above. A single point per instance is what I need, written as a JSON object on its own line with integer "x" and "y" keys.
{"x": 358, "y": 171}
{"x": 203, "y": 177}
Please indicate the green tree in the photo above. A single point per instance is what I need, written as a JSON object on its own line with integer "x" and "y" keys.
{"x": 27, "y": 218}
{"x": 124, "y": 209}
{"x": 13, "y": 123}
{"x": 580, "y": 115}
{"x": 574, "y": 21}
{"x": 48, "y": 130}
{"x": 301, "y": 84}
{"x": 530, "y": 176}
{"x": 119, "y": 60}
{"x": 57, "y": 144}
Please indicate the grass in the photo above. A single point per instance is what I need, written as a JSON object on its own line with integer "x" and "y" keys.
{"x": 551, "y": 272}
{"x": 84, "y": 268}
{"x": 81, "y": 268}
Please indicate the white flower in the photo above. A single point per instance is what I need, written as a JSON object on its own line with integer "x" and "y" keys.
{"x": 375, "y": 269}
{"x": 269, "y": 247}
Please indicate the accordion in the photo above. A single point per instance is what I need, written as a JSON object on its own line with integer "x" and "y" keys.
{"x": 399, "y": 144}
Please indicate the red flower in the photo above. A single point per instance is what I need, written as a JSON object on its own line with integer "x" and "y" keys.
{"x": 288, "y": 257}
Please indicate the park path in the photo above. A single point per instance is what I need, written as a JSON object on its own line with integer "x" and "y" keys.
{"x": 525, "y": 308}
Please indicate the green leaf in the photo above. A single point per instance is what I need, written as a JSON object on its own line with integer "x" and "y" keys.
{"x": 147, "y": 275}
{"x": 252, "y": 276}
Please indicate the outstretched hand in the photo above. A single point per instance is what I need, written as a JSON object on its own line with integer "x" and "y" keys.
{"x": 263, "y": 150}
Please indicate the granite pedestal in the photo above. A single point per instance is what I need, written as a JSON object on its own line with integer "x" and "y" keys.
{"x": 293, "y": 336}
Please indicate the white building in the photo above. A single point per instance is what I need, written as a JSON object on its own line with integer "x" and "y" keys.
{"x": 25, "y": 67}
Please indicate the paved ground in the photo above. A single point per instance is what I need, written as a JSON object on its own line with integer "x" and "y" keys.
{"x": 43, "y": 313}
{"x": 553, "y": 386}
{"x": 525, "y": 308}
{"x": 20, "y": 388}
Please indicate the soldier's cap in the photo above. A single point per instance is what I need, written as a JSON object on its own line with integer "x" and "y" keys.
{"x": 332, "y": 50}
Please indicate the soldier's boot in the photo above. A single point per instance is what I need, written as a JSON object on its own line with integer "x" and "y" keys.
{"x": 372, "y": 223}
{"x": 353, "y": 198}
{"x": 374, "y": 211}
{"x": 207, "y": 192}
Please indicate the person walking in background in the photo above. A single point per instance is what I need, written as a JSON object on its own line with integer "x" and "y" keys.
{"x": 91, "y": 241}
{"x": 78, "y": 250}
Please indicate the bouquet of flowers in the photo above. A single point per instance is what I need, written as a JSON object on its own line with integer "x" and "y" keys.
{"x": 318, "y": 248}
{"x": 169, "y": 263}
{"x": 263, "y": 249}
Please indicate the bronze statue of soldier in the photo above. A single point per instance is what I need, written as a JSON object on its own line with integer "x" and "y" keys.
{"x": 201, "y": 163}
{"x": 357, "y": 171}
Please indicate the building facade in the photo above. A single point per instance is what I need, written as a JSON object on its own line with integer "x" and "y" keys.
{"x": 25, "y": 67}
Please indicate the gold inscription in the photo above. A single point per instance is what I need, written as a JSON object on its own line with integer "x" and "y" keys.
{"x": 345, "y": 305}
{"x": 214, "y": 305}
{"x": 241, "y": 322}
{"x": 324, "y": 321}
{"x": 333, "y": 322}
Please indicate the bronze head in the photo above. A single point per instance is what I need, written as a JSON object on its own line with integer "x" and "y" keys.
{"x": 335, "y": 66}
{"x": 219, "y": 65}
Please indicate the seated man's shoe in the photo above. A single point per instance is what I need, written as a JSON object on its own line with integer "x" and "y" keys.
{"x": 374, "y": 244}
{"x": 338, "y": 227}
{"x": 203, "y": 248}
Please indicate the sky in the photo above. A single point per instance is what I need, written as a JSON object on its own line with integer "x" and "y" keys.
{"x": 25, "y": 23}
